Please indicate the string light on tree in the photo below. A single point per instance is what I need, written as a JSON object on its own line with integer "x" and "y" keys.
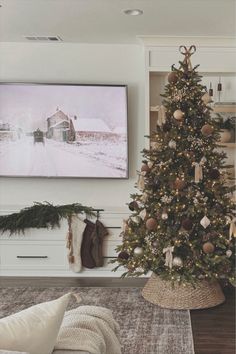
{"x": 182, "y": 223}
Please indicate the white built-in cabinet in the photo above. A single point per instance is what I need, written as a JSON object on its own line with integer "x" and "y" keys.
{"x": 42, "y": 252}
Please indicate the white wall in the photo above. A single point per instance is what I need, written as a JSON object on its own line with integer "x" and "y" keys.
{"x": 77, "y": 63}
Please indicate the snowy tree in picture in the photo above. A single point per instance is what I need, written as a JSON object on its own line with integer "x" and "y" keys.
{"x": 182, "y": 225}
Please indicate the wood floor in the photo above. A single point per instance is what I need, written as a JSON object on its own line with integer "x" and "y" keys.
{"x": 213, "y": 329}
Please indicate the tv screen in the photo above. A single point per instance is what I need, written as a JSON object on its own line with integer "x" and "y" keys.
{"x": 51, "y": 130}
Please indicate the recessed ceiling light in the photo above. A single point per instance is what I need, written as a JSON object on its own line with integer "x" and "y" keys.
{"x": 133, "y": 12}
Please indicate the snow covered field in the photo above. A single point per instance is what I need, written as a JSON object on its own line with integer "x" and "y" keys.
{"x": 59, "y": 159}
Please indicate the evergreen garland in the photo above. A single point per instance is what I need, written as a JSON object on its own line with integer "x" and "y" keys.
{"x": 40, "y": 215}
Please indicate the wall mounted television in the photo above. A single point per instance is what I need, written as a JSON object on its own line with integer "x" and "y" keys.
{"x": 63, "y": 130}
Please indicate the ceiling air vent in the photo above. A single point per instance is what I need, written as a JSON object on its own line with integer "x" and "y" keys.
{"x": 43, "y": 38}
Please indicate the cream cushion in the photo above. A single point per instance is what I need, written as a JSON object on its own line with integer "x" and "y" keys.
{"x": 11, "y": 352}
{"x": 35, "y": 329}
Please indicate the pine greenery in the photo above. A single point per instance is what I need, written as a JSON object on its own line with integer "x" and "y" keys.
{"x": 40, "y": 215}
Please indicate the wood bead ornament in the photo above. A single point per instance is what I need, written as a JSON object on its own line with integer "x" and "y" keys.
{"x": 207, "y": 130}
{"x": 208, "y": 247}
{"x": 151, "y": 224}
{"x": 178, "y": 114}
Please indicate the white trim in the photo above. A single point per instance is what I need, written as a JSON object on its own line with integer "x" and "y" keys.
{"x": 200, "y": 41}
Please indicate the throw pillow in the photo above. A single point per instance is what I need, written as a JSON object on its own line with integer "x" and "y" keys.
{"x": 10, "y": 352}
{"x": 35, "y": 329}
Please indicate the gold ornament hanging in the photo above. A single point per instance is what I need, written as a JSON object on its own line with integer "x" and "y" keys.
{"x": 207, "y": 130}
{"x": 178, "y": 114}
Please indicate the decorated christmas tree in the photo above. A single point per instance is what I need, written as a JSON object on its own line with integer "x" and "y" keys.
{"x": 182, "y": 225}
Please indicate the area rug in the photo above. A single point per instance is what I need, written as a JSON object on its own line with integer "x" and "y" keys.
{"x": 145, "y": 328}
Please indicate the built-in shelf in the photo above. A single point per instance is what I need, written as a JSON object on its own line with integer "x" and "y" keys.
{"x": 228, "y": 145}
{"x": 224, "y": 108}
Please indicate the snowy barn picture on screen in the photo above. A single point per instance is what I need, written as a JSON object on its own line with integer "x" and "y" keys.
{"x": 49, "y": 130}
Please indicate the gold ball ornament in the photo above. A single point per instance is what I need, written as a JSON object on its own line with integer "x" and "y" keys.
{"x": 151, "y": 224}
{"x": 172, "y": 77}
{"x": 206, "y": 98}
{"x": 138, "y": 251}
{"x": 207, "y": 130}
{"x": 178, "y": 114}
{"x": 208, "y": 247}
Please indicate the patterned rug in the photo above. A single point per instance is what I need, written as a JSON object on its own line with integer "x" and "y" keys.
{"x": 145, "y": 328}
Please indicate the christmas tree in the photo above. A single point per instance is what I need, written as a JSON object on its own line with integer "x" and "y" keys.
{"x": 182, "y": 225}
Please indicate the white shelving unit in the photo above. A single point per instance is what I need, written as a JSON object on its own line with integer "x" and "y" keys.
{"x": 42, "y": 252}
{"x": 217, "y": 59}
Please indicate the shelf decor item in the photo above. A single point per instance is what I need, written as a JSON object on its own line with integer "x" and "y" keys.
{"x": 225, "y": 116}
{"x": 186, "y": 237}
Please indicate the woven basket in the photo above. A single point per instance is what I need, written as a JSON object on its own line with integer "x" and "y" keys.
{"x": 161, "y": 292}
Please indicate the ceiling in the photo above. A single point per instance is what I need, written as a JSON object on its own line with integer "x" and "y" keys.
{"x": 103, "y": 21}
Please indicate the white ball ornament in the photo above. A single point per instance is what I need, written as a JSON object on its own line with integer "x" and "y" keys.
{"x": 155, "y": 243}
{"x": 138, "y": 251}
{"x": 178, "y": 114}
{"x": 177, "y": 262}
{"x": 164, "y": 216}
{"x": 172, "y": 144}
{"x": 229, "y": 253}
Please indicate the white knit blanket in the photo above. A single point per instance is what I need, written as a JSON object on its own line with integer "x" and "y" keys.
{"x": 89, "y": 328}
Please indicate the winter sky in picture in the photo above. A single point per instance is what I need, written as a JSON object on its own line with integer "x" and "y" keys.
{"x": 63, "y": 131}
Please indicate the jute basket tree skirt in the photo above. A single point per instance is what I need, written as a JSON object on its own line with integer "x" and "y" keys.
{"x": 185, "y": 297}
